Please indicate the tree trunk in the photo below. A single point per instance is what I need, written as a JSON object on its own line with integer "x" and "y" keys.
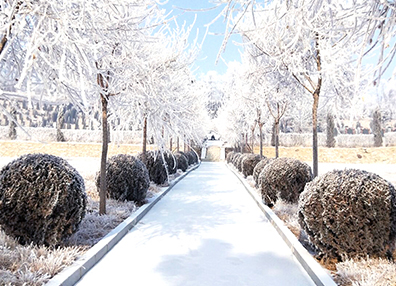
{"x": 12, "y": 133}
{"x": 315, "y": 134}
{"x": 315, "y": 111}
{"x": 60, "y": 121}
{"x": 103, "y": 160}
{"x": 170, "y": 144}
{"x": 252, "y": 141}
{"x": 276, "y": 138}
{"x": 144, "y": 149}
{"x": 177, "y": 144}
{"x": 261, "y": 139}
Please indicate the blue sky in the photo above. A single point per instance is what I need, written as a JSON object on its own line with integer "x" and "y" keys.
{"x": 186, "y": 11}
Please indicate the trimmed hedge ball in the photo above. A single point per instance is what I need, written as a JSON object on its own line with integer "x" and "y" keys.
{"x": 259, "y": 167}
{"x": 248, "y": 163}
{"x": 349, "y": 213}
{"x": 42, "y": 199}
{"x": 155, "y": 166}
{"x": 192, "y": 157}
{"x": 230, "y": 157}
{"x": 283, "y": 178}
{"x": 182, "y": 161}
{"x": 127, "y": 178}
{"x": 171, "y": 162}
{"x": 235, "y": 159}
{"x": 240, "y": 160}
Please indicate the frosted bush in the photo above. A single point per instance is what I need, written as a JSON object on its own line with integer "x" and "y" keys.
{"x": 155, "y": 166}
{"x": 127, "y": 178}
{"x": 283, "y": 178}
{"x": 349, "y": 213}
{"x": 42, "y": 199}
{"x": 259, "y": 167}
{"x": 248, "y": 163}
{"x": 182, "y": 161}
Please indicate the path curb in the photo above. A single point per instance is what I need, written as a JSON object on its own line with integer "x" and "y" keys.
{"x": 73, "y": 273}
{"x": 318, "y": 274}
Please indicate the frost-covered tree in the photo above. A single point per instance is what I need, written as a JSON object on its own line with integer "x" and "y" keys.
{"x": 313, "y": 42}
{"x": 91, "y": 53}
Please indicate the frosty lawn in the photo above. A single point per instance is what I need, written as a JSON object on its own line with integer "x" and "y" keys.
{"x": 206, "y": 231}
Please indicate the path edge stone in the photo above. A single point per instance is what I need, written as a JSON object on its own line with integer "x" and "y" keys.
{"x": 73, "y": 273}
{"x": 318, "y": 274}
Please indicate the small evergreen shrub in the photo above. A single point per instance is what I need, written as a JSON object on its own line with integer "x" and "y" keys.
{"x": 248, "y": 163}
{"x": 349, "y": 214}
{"x": 182, "y": 161}
{"x": 127, "y": 178}
{"x": 192, "y": 157}
{"x": 171, "y": 162}
{"x": 235, "y": 159}
{"x": 239, "y": 161}
{"x": 259, "y": 167}
{"x": 230, "y": 156}
{"x": 283, "y": 178}
{"x": 155, "y": 166}
{"x": 42, "y": 199}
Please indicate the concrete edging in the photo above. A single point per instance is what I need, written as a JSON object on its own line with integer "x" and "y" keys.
{"x": 73, "y": 273}
{"x": 318, "y": 274}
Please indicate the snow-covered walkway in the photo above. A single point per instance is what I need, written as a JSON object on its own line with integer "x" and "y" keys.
{"x": 206, "y": 231}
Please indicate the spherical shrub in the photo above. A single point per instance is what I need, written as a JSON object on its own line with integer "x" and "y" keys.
{"x": 127, "y": 178}
{"x": 248, "y": 163}
{"x": 239, "y": 161}
{"x": 192, "y": 157}
{"x": 230, "y": 156}
{"x": 171, "y": 162}
{"x": 259, "y": 167}
{"x": 155, "y": 166}
{"x": 182, "y": 161}
{"x": 283, "y": 178}
{"x": 235, "y": 159}
{"x": 42, "y": 199}
{"x": 350, "y": 213}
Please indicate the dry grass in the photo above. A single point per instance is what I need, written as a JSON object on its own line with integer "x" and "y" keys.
{"x": 385, "y": 155}
{"x": 34, "y": 265}
{"x": 363, "y": 272}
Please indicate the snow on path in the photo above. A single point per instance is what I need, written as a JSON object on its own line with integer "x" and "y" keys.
{"x": 206, "y": 231}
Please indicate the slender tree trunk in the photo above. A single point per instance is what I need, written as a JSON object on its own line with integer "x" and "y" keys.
{"x": 315, "y": 162}
{"x": 170, "y": 144}
{"x": 60, "y": 121}
{"x": 103, "y": 160}
{"x": 316, "y": 93}
{"x": 261, "y": 139}
{"x": 177, "y": 144}
{"x": 252, "y": 141}
{"x": 276, "y": 138}
{"x": 144, "y": 149}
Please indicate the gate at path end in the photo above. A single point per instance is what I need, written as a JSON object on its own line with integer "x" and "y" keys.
{"x": 213, "y": 151}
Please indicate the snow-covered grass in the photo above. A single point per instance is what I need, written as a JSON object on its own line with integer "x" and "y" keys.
{"x": 363, "y": 272}
{"x": 35, "y": 265}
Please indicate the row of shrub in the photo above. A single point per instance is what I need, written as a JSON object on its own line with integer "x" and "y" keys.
{"x": 43, "y": 198}
{"x": 345, "y": 214}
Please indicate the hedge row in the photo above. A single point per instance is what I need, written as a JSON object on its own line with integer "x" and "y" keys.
{"x": 43, "y": 199}
{"x": 346, "y": 214}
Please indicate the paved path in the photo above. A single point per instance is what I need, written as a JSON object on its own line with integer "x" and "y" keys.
{"x": 206, "y": 231}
